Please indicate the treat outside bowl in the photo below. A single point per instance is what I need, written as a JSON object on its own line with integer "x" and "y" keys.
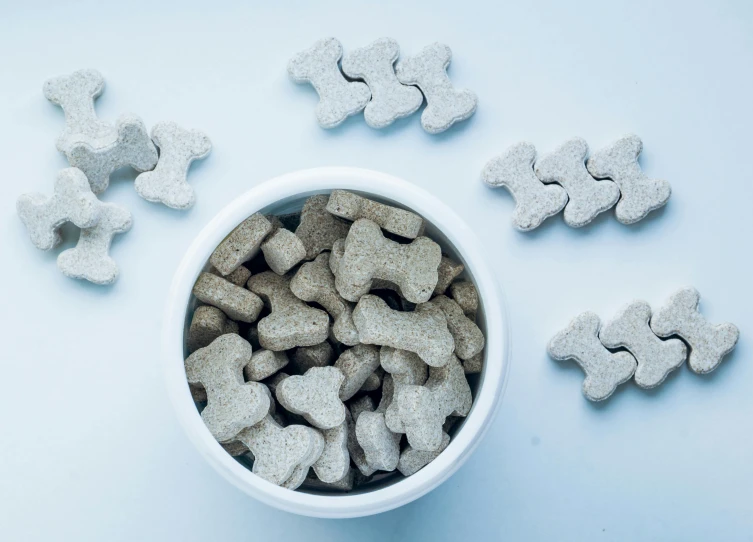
{"x": 286, "y": 194}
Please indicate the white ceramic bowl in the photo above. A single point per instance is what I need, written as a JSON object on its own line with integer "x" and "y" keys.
{"x": 285, "y": 194}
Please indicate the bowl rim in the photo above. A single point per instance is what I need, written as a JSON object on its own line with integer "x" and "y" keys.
{"x": 497, "y": 351}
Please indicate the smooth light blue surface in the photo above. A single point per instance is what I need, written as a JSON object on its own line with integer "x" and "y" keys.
{"x": 90, "y": 448}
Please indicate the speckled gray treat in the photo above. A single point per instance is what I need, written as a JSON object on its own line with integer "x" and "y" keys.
{"x": 392, "y": 219}
{"x": 604, "y": 370}
{"x": 345, "y": 484}
{"x": 263, "y": 364}
{"x": 423, "y": 409}
{"x": 368, "y": 254}
{"x": 445, "y": 104}
{"x": 315, "y": 396}
{"x": 338, "y": 97}
{"x": 319, "y": 229}
{"x": 424, "y": 333}
{"x": 468, "y": 338}
{"x": 534, "y": 201}
{"x": 133, "y": 147}
{"x": 356, "y": 364}
{"x": 709, "y": 343}
{"x": 447, "y": 271}
{"x": 90, "y": 258}
{"x": 374, "y": 381}
{"x": 291, "y": 322}
{"x": 76, "y": 93}
{"x": 412, "y": 461}
{"x": 278, "y": 451}
{"x": 72, "y": 201}
{"x": 318, "y": 355}
{"x": 241, "y": 245}
{"x": 380, "y": 445}
{"x": 588, "y": 197}
{"x": 232, "y": 404}
{"x": 238, "y": 303}
{"x": 390, "y": 100}
{"x": 656, "y": 358}
{"x": 207, "y": 324}
{"x": 334, "y": 463}
{"x": 465, "y": 294}
{"x": 356, "y": 408}
{"x": 406, "y": 369}
{"x": 239, "y": 277}
{"x": 475, "y": 364}
{"x": 178, "y": 147}
{"x": 640, "y": 194}
{"x": 282, "y": 250}
{"x": 314, "y": 282}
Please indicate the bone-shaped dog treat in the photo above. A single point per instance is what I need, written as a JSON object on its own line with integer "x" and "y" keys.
{"x": 407, "y": 369}
{"x": 424, "y": 332}
{"x": 390, "y": 100}
{"x": 392, "y": 219}
{"x": 291, "y": 323}
{"x": 464, "y": 293}
{"x": 238, "y": 303}
{"x": 709, "y": 343}
{"x": 468, "y": 338}
{"x": 75, "y": 94}
{"x": 412, "y": 461}
{"x": 368, "y": 254}
{"x": 133, "y": 147}
{"x": 315, "y": 396}
{"x": 278, "y": 451}
{"x": 445, "y": 104}
{"x": 314, "y": 282}
{"x": 72, "y": 201}
{"x": 604, "y": 370}
{"x": 588, "y": 197}
{"x": 282, "y": 250}
{"x": 319, "y": 229}
{"x": 345, "y": 484}
{"x": 167, "y": 182}
{"x": 263, "y": 364}
{"x": 338, "y": 98}
{"x": 656, "y": 358}
{"x": 241, "y": 245}
{"x": 357, "y": 364}
{"x": 423, "y": 409}
{"x": 318, "y": 355}
{"x": 90, "y": 258}
{"x": 207, "y": 324}
{"x": 380, "y": 445}
{"x": 232, "y": 404}
{"x": 334, "y": 463}
{"x": 239, "y": 277}
{"x": 534, "y": 201}
{"x": 640, "y": 194}
{"x": 356, "y": 408}
{"x": 447, "y": 271}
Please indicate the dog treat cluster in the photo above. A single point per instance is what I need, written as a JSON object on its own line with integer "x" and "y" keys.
{"x": 384, "y": 91}
{"x": 364, "y": 315}
{"x": 646, "y": 356}
{"x": 94, "y": 150}
{"x": 563, "y": 179}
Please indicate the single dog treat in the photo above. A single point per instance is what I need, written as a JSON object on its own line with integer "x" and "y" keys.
{"x": 357, "y": 364}
{"x": 424, "y": 332}
{"x": 445, "y": 104}
{"x": 72, "y": 201}
{"x": 279, "y": 450}
{"x": 475, "y": 364}
{"x": 412, "y": 461}
{"x": 263, "y": 364}
{"x": 447, "y": 271}
{"x": 282, "y": 250}
{"x": 207, "y": 324}
{"x": 291, "y": 322}
{"x": 534, "y": 201}
{"x": 390, "y": 100}
{"x": 133, "y": 147}
{"x": 640, "y": 194}
{"x": 318, "y": 355}
{"x": 656, "y": 358}
{"x": 364, "y": 404}
{"x": 315, "y": 396}
{"x": 604, "y": 370}
{"x": 334, "y": 463}
{"x": 338, "y": 97}
{"x": 232, "y": 404}
{"x": 368, "y": 254}
{"x": 468, "y": 338}
{"x": 241, "y": 245}
{"x": 314, "y": 282}
{"x": 239, "y": 277}
{"x": 709, "y": 343}
{"x": 406, "y": 369}
{"x": 319, "y": 229}
{"x": 345, "y": 484}
{"x": 392, "y": 219}
{"x": 374, "y": 381}
{"x": 90, "y": 258}
{"x": 167, "y": 182}
{"x": 380, "y": 445}
{"x": 588, "y": 197}
{"x": 238, "y": 303}
{"x": 423, "y": 409}
{"x": 75, "y": 94}
{"x": 464, "y": 293}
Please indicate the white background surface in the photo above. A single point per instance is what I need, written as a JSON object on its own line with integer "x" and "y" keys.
{"x": 90, "y": 449}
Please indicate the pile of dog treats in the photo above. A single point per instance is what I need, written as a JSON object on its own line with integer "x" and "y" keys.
{"x": 95, "y": 149}
{"x": 325, "y": 347}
